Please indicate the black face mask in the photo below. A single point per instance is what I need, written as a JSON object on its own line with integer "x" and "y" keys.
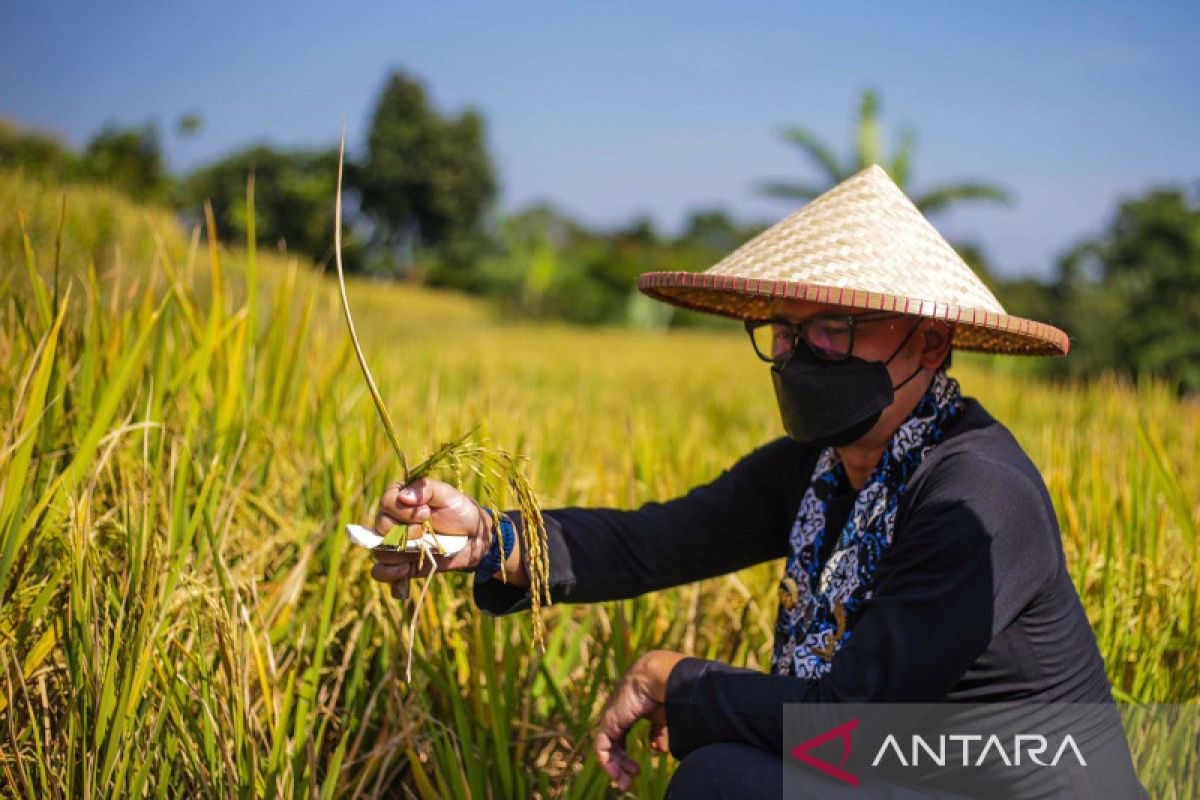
{"x": 833, "y": 403}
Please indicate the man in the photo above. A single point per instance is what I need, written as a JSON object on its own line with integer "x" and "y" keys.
{"x": 924, "y": 562}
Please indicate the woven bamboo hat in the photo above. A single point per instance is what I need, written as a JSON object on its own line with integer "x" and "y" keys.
{"x": 862, "y": 244}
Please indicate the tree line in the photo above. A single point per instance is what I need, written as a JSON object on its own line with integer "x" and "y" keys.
{"x": 421, "y": 206}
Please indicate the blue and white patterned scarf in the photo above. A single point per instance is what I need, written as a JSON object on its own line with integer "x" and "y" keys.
{"x": 819, "y": 603}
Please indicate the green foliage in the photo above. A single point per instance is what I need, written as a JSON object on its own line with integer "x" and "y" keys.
{"x": 126, "y": 159}
{"x": 80, "y": 225}
{"x": 423, "y": 209}
{"x": 868, "y": 150}
{"x": 1033, "y": 299}
{"x": 292, "y": 200}
{"x": 545, "y": 265}
{"x": 189, "y": 124}
{"x": 1132, "y": 295}
{"x": 713, "y": 230}
{"x": 129, "y": 159}
{"x": 36, "y": 154}
{"x": 426, "y": 180}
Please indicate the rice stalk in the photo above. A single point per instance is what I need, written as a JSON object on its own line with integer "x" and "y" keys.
{"x": 485, "y": 460}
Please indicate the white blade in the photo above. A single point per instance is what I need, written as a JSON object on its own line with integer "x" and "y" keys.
{"x": 365, "y": 537}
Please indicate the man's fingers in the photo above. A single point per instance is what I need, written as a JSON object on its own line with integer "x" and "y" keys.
{"x": 390, "y": 573}
{"x": 609, "y": 755}
{"x": 420, "y": 492}
{"x": 610, "y": 749}
{"x": 385, "y": 556}
{"x": 417, "y": 493}
{"x": 659, "y": 741}
{"x": 657, "y": 735}
{"x": 394, "y": 512}
{"x": 628, "y": 769}
{"x": 400, "y": 589}
{"x": 384, "y": 522}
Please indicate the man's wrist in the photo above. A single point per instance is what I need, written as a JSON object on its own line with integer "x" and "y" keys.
{"x": 655, "y": 670}
{"x": 503, "y": 541}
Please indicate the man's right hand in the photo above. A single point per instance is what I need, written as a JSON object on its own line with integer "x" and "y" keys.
{"x": 448, "y": 510}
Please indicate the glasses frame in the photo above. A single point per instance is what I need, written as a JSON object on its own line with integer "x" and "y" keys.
{"x": 799, "y": 332}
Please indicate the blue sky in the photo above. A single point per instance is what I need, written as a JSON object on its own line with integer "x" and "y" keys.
{"x": 617, "y": 109}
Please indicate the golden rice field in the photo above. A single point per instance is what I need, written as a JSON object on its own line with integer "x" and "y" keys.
{"x": 185, "y": 432}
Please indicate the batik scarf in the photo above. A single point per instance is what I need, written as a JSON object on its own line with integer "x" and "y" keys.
{"x": 819, "y": 603}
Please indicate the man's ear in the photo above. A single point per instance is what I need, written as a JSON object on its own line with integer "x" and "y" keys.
{"x": 935, "y": 343}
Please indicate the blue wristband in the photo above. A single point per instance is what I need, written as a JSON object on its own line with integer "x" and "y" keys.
{"x": 502, "y": 547}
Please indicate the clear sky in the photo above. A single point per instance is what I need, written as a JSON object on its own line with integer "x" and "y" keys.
{"x": 610, "y": 110}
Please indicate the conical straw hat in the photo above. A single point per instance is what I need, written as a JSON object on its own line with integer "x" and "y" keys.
{"x": 862, "y": 244}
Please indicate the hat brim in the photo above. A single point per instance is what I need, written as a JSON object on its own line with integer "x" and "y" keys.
{"x": 751, "y": 298}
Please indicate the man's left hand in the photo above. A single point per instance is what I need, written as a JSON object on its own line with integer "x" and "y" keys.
{"x": 640, "y": 694}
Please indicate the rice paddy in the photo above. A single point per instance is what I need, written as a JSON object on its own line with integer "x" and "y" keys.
{"x": 185, "y": 432}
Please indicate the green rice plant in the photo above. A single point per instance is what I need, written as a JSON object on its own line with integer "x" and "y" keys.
{"x": 179, "y": 616}
{"x": 104, "y": 231}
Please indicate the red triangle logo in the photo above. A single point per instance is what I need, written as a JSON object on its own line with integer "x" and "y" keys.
{"x": 801, "y": 751}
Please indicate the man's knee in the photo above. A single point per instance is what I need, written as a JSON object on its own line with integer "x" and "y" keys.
{"x": 726, "y": 770}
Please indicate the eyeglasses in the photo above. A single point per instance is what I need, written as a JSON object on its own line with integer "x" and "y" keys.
{"x": 829, "y": 336}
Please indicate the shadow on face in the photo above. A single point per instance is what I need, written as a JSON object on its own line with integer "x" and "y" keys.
{"x": 911, "y": 347}
{"x": 873, "y": 341}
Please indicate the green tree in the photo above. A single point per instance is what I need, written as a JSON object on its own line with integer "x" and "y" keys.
{"x": 427, "y": 180}
{"x": 1031, "y": 298}
{"x": 713, "y": 229}
{"x": 37, "y": 154}
{"x": 129, "y": 159}
{"x": 189, "y": 125}
{"x": 868, "y": 150}
{"x": 1133, "y": 294}
{"x": 292, "y": 199}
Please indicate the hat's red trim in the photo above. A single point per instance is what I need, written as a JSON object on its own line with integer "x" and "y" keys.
{"x": 1039, "y": 337}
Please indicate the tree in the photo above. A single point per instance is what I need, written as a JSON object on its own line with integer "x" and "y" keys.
{"x": 868, "y": 150}
{"x": 129, "y": 159}
{"x": 293, "y": 199}
{"x": 188, "y": 125}
{"x": 427, "y": 180}
{"x": 1133, "y": 294}
{"x": 34, "y": 153}
{"x": 714, "y": 230}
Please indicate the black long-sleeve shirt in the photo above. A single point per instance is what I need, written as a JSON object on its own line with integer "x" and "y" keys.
{"x": 972, "y": 601}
